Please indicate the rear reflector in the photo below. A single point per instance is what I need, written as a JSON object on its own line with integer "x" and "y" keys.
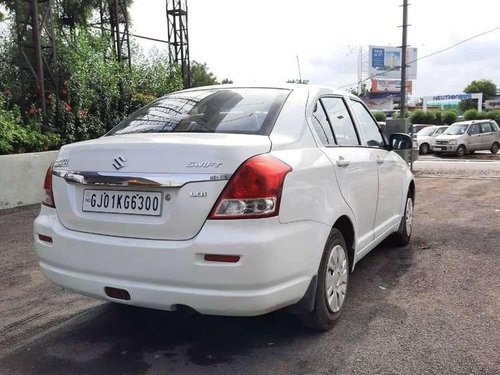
{"x": 222, "y": 258}
{"x": 117, "y": 293}
{"x": 45, "y": 238}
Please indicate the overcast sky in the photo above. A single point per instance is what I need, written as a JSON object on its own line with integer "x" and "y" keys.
{"x": 258, "y": 40}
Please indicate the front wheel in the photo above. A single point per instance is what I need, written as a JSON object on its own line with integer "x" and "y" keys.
{"x": 403, "y": 235}
{"x": 424, "y": 149}
{"x": 333, "y": 280}
{"x": 461, "y": 150}
{"x": 494, "y": 148}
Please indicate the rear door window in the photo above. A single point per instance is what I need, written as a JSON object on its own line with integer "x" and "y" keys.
{"x": 241, "y": 111}
{"x": 341, "y": 122}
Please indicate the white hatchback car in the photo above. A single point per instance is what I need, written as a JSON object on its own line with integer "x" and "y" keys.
{"x": 426, "y": 137}
{"x": 228, "y": 200}
{"x": 468, "y": 136}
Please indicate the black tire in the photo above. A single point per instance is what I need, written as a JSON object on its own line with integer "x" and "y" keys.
{"x": 494, "y": 148}
{"x": 461, "y": 150}
{"x": 424, "y": 148}
{"x": 322, "y": 318}
{"x": 403, "y": 235}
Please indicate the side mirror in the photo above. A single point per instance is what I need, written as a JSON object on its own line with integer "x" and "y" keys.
{"x": 469, "y": 131}
{"x": 400, "y": 141}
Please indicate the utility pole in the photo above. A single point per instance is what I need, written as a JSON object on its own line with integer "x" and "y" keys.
{"x": 404, "y": 48}
{"x": 403, "y": 59}
{"x": 37, "y": 44}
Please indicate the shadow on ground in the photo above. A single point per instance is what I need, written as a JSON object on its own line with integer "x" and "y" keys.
{"x": 121, "y": 339}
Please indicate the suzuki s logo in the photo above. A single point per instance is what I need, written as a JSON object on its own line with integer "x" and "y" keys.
{"x": 119, "y": 163}
{"x": 204, "y": 164}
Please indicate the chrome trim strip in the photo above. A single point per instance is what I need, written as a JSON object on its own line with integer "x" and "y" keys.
{"x": 137, "y": 179}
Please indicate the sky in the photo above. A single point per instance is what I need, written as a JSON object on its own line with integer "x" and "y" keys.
{"x": 258, "y": 41}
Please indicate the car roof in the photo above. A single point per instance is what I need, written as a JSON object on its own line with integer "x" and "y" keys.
{"x": 471, "y": 121}
{"x": 312, "y": 89}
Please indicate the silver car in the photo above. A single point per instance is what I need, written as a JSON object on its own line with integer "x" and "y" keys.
{"x": 469, "y": 136}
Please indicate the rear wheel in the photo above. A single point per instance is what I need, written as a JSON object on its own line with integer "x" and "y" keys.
{"x": 333, "y": 280}
{"x": 424, "y": 148}
{"x": 494, "y": 148}
{"x": 403, "y": 235}
{"x": 461, "y": 150}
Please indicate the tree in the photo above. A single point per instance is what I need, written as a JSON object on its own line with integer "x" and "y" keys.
{"x": 485, "y": 86}
{"x": 201, "y": 75}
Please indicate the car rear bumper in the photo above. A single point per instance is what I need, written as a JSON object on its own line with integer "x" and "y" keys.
{"x": 277, "y": 262}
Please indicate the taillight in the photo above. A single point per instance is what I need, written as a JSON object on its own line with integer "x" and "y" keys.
{"x": 48, "y": 199}
{"x": 254, "y": 190}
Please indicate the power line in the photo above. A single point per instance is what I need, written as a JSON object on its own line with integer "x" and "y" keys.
{"x": 134, "y": 35}
{"x": 426, "y": 56}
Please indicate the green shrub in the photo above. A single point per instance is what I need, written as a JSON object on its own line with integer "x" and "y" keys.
{"x": 449, "y": 117}
{"x": 437, "y": 117}
{"x": 494, "y": 115}
{"x": 379, "y": 116}
{"x": 17, "y": 138}
{"x": 471, "y": 114}
{"x": 422, "y": 117}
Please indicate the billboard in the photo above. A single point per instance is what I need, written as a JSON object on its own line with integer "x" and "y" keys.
{"x": 380, "y": 104}
{"x": 385, "y": 62}
{"x": 492, "y": 104}
{"x": 390, "y": 86}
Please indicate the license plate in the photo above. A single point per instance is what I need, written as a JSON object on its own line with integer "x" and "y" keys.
{"x": 122, "y": 202}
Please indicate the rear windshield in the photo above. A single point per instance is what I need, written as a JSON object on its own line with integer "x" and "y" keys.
{"x": 242, "y": 111}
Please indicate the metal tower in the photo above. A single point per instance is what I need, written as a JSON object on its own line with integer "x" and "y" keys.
{"x": 36, "y": 49}
{"x": 118, "y": 20}
{"x": 178, "y": 39}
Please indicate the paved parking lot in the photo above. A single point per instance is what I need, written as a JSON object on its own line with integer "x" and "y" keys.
{"x": 432, "y": 307}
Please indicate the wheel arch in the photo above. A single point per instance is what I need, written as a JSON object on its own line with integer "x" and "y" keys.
{"x": 346, "y": 227}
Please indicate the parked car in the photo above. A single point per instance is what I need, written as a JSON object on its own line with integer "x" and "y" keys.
{"x": 469, "y": 136}
{"x": 229, "y": 200}
{"x": 418, "y": 127}
{"x": 426, "y": 138}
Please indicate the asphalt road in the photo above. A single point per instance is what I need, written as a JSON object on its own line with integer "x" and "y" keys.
{"x": 430, "y": 308}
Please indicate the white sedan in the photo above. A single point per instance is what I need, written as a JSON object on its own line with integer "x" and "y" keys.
{"x": 228, "y": 200}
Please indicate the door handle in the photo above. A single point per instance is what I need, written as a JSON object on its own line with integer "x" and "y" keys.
{"x": 380, "y": 160}
{"x": 341, "y": 162}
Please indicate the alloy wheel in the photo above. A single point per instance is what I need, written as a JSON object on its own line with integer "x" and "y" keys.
{"x": 409, "y": 216}
{"x": 336, "y": 278}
